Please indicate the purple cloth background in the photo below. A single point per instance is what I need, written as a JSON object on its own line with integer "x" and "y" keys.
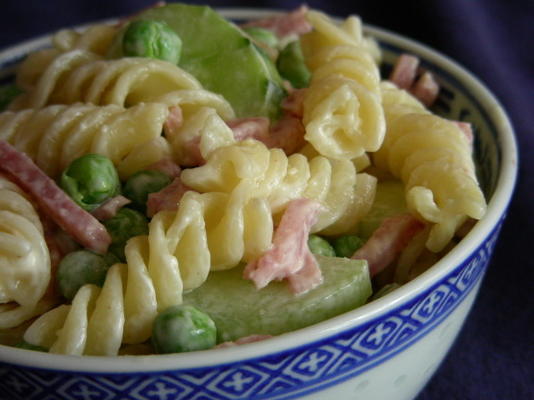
{"x": 493, "y": 357}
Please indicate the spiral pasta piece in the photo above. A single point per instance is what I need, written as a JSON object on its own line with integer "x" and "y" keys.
{"x": 24, "y": 258}
{"x": 209, "y": 231}
{"x": 201, "y": 127}
{"x": 345, "y": 195}
{"x": 46, "y": 66}
{"x": 433, "y": 158}
{"x": 343, "y": 114}
{"x": 94, "y": 42}
{"x": 56, "y": 135}
{"x": 95, "y": 38}
{"x": 81, "y": 76}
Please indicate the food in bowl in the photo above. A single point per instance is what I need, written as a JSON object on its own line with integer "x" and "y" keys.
{"x": 174, "y": 181}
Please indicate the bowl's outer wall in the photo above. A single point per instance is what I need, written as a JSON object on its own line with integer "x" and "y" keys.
{"x": 348, "y": 357}
{"x": 361, "y": 362}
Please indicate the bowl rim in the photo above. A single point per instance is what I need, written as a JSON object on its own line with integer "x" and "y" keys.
{"x": 308, "y": 336}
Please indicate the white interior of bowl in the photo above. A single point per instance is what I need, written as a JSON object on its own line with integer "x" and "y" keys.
{"x": 496, "y": 209}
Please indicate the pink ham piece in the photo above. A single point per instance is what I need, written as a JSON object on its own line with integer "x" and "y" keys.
{"x": 191, "y": 156}
{"x": 59, "y": 243}
{"x": 243, "y": 340}
{"x": 110, "y": 207}
{"x": 404, "y": 75}
{"x": 289, "y": 256}
{"x": 50, "y": 234}
{"x": 404, "y": 71}
{"x": 167, "y": 198}
{"x": 254, "y": 127}
{"x": 174, "y": 121}
{"x": 74, "y": 220}
{"x": 167, "y": 166}
{"x": 388, "y": 241}
{"x": 467, "y": 130}
{"x": 287, "y": 133}
{"x": 426, "y": 89}
{"x": 294, "y": 103}
{"x": 291, "y": 23}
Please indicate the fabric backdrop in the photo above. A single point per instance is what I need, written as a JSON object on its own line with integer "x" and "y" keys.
{"x": 493, "y": 357}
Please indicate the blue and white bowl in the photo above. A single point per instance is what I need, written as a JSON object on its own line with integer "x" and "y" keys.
{"x": 386, "y": 349}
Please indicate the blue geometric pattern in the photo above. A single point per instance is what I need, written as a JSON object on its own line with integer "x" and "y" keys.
{"x": 307, "y": 369}
{"x": 280, "y": 376}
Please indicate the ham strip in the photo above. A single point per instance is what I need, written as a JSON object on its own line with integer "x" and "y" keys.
{"x": 291, "y": 23}
{"x": 404, "y": 75}
{"x": 174, "y": 121}
{"x": 167, "y": 198}
{"x": 426, "y": 89}
{"x": 59, "y": 243}
{"x": 294, "y": 102}
{"x": 191, "y": 156}
{"x": 246, "y": 128}
{"x": 388, "y": 241}
{"x": 74, "y": 220}
{"x": 404, "y": 71}
{"x": 467, "y": 130}
{"x": 289, "y": 256}
{"x": 110, "y": 207}
{"x": 287, "y": 134}
{"x": 50, "y": 234}
{"x": 167, "y": 166}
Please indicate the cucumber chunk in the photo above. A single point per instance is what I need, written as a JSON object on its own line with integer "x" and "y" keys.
{"x": 223, "y": 58}
{"x": 239, "y": 309}
{"x": 292, "y": 66}
{"x": 389, "y": 201}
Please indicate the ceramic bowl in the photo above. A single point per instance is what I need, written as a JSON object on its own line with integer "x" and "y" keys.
{"x": 387, "y": 349}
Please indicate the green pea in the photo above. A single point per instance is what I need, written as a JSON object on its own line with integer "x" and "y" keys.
{"x": 262, "y": 35}
{"x": 320, "y": 246}
{"x": 147, "y": 38}
{"x": 90, "y": 180}
{"x": 291, "y": 65}
{"x": 28, "y": 346}
{"x": 124, "y": 225}
{"x": 8, "y": 94}
{"x": 346, "y": 246}
{"x": 142, "y": 183}
{"x": 81, "y": 267}
{"x": 183, "y": 328}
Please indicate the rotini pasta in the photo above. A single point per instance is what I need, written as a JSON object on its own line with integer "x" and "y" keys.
{"x": 201, "y": 127}
{"x": 25, "y": 268}
{"x": 55, "y": 135}
{"x": 80, "y": 76}
{"x": 93, "y": 324}
{"x": 95, "y": 38}
{"x": 345, "y": 195}
{"x": 433, "y": 158}
{"x": 209, "y": 231}
{"x": 43, "y": 65}
{"x": 93, "y": 41}
{"x": 343, "y": 114}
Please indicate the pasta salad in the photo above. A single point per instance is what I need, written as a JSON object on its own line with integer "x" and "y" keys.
{"x": 177, "y": 181}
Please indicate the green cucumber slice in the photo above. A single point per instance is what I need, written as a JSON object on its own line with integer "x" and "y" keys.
{"x": 223, "y": 58}
{"x": 389, "y": 200}
{"x": 239, "y": 309}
